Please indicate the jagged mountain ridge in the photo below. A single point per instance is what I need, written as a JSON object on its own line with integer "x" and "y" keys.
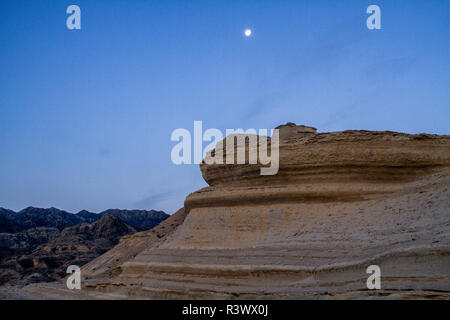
{"x": 38, "y": 244}
{"x": 31, "y": 217}
{"x": 7, "y": 225}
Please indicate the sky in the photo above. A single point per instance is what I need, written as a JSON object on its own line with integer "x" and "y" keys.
{"x": 86, "y": 115}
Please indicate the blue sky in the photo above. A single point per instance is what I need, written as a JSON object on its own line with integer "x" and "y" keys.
{"x": 86, "y": 115}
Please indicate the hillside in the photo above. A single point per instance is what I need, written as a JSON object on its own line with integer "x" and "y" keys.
{"x": 38, "y": 244}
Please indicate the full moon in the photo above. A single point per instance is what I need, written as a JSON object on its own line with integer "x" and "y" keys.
{"x": 248, "y": 32}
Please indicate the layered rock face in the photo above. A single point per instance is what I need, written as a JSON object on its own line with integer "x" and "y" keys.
{"x": 341, "y": 201}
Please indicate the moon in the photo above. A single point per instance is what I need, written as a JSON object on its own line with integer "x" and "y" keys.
{"x": 248, "y": 32}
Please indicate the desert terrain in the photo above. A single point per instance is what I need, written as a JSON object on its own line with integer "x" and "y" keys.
{"x": 341, "y": 201}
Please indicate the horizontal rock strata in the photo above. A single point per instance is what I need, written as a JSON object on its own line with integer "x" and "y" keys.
{"x": 340, "y": 202}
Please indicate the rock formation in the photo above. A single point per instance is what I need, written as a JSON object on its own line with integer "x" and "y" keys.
{"x": 341, "y": 201}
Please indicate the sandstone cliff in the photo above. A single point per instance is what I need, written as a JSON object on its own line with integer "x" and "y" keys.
{"x": 340, "y": 202}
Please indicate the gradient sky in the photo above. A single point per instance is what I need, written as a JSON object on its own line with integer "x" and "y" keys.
{"x": 86, "y": 115}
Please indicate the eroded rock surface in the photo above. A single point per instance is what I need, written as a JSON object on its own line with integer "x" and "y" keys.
{"x": 341, "y": 201}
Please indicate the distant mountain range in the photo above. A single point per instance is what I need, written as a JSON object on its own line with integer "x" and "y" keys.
{"x": 31, "y": 217}
{"x": 38, "y": 244}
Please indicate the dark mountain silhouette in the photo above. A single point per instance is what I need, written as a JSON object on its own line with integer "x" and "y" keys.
{"x": 32, "y": 217}
{"x": 4, "y": 211}
{"x": 7, "y": 225}
{"x": 108, "y": 227}
{"x": 38, "y": 244}
{"x": 88, "y": 216}
{"x": 139, "y": 219}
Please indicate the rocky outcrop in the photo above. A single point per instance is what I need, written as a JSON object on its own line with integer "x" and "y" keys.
{"x": 327, "y": 159}
{"x": 341, "y": 201}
